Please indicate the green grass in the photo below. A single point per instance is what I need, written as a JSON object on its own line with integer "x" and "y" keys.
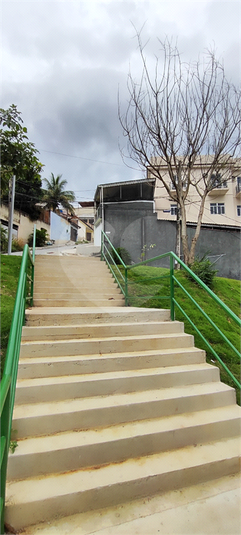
{"x": 10, "y": 268}
{"x": 149, "y": 287}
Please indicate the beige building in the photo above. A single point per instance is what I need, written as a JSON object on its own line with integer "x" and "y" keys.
{"x": 85, "y": 214}
{"x": 223, "y": 202}
{"x": 22, "y": 225}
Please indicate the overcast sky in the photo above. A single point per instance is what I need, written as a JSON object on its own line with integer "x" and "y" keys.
{"x": 63, "y": 63}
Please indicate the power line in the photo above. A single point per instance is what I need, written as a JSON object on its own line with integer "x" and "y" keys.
{"x": 81, "y": 158}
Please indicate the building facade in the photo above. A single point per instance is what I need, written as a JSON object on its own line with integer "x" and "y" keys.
{"x": 223, "y": 203}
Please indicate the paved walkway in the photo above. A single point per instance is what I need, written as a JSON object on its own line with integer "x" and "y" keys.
{"x": 83, "y": 249}
{"x": 212, "y": 508}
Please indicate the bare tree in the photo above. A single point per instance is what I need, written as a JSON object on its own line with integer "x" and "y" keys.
{"x": 180, "y": 116}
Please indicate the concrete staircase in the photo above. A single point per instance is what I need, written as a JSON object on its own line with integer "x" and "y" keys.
{"x": 66, "y": 281}
{"x": 112, "y": 404}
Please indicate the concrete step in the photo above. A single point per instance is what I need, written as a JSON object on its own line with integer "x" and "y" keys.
{"x": 105, "y": 345}
{"x": 97, "y": 330}
{"x": 87, "y": 302}
{"x": 40, "y": 499}
{"x": 80, "y": 277}
{"x": 79, "y": 293}
{"x": 80, "y": 284}
{"x": 91, "y": 315}
{"x": 84, "y": 449}
{"x": 108, "y": 383}
{"x": 38, "y": 419}
{"x": 56, "y": 272}
{"x": 71, "y": 365}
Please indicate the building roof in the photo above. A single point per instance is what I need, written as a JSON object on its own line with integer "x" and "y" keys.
{"x": 131, "y": 190}
{"x": 86, "y": 204}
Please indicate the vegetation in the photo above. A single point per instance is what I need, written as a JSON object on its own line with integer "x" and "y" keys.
{"x": 17, "y": 245}
{"x": 41, "y": 238}
{"x": 203, "y": 268}
{"x": 149, "y": 287}
{"x": 10, "y": 268}
{"x": 124, "y": 255}
{"x": 55, "y": 195}
{"x": 19, "y": 157}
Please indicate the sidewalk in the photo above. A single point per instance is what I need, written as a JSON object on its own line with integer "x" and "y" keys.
{"x": 83, "y": 249}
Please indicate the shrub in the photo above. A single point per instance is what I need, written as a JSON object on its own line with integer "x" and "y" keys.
{"x": 203, "y": 268}
{"x": 17, "y": 245}
{"x": 41, "y": 238}
{"x": 124, "y": 254}
{"x": 4, "y": 240}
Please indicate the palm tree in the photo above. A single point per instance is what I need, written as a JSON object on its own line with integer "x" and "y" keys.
{"x": 55, "y": 195}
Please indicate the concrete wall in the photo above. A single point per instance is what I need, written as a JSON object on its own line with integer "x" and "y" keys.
{"x": 133, "y": 225}
{"x": 24, "y": 226}
{"x": 97, "y": 234}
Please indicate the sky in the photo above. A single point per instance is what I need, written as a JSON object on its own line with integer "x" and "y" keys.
{"x": 63, "y": 64}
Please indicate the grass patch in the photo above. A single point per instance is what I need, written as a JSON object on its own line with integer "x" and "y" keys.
{"x": 10, "y": 268}
{"x": 149, "y": 287}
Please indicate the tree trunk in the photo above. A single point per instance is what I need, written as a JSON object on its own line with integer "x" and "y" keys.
{"x": 197, "y": 231}
{"x": 178, "y": 236}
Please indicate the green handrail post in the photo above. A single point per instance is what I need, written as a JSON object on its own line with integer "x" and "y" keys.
{"x": 33, "y": 263}
{"x": 126, "y": 286}
{"x": 101, "y": 250}
{"x": 172, "y": 305}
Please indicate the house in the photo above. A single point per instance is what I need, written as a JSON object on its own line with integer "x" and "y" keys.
{"x": 22, "y": 225}
{"x": 85, "y": 214}
{"x": 60, "y": 227}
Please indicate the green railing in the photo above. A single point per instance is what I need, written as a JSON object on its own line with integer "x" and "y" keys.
{"x": 8, "y": 383}
{"x": 129, "y": 289}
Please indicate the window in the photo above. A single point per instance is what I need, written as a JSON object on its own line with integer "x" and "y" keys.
{"x": 239, "y": 210}
{"x": 173, "y": 209}
{"x": 217, "y": 181}
{"x": 175, "y": 181}
{"x": 217, "y": 208}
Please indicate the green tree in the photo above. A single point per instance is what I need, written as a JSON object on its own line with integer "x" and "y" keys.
{"x": 55, "y": 196}
{"x": 19, "y": 158}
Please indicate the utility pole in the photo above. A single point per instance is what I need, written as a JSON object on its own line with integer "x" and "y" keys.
{"x": 10, "y": 211}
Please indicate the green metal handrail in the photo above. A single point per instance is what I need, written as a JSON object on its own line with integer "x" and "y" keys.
{"x": 9, "y": 378}
{"x": 173, "y": 301}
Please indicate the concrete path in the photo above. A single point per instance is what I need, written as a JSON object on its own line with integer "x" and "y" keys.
{"x": 212, "y": 508}
{"x": 83, "y": 249}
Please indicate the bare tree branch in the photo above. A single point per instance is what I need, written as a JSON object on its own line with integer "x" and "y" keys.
{"x": 182, "y": 115}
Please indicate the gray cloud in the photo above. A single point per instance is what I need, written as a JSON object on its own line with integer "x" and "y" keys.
{"x": 63, "y": 62}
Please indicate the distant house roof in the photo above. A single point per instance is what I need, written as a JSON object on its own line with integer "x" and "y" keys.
{"x": 133, "y": 190}
{"x": 90, "y": 227}
{"x": 86, "y": 204}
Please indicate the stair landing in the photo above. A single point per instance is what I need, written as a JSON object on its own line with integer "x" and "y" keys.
{"x": 210, "y": 508}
